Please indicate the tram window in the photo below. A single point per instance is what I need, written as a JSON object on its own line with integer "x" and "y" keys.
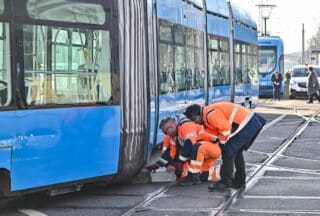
{"x": 199, "y": 59}
{"x": 5, "y": 77}
{"x": 224, "y": 61}
{"x": 198, "y": 39}
{"x": 267, "y": 59}
{"x": 252, "y": 68}
{"x": 180, "y": 68}
{"x": 225, "y": 67}
{"x": 179, "y": 34}
{"x": 214, "y": 65}
{"x": 198, "y": 69}
{"x": 191, "y": 83}
{"x": 213, "y": 44}
{"x": 167, "y": 76}
{"x": 66, "y": 66}
{"x": 67, "y": 11}
{"x": 244, "y": 63}
{"x": 1, "y": 6}
{"x": 194, "y": 59}
{"x": 165, "y": 33}
{"x": 190, "y": 37}
{"x": 238, "y": 69}
{"x": 219, "y": 62}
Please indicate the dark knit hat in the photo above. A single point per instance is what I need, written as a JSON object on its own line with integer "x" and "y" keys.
{"x": 193, "y": 111}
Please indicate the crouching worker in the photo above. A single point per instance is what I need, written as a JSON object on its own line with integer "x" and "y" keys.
{"x": 169, "y": 159}
{"x": 237, "y": 127}
{"x": 204, "y": 162}
{"x": 200, "y": 155}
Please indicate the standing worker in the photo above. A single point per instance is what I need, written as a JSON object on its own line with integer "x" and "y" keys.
{"x": 237, "y": 127}
{"x": 313, "y": 85}
{"x": 276, "y": 80}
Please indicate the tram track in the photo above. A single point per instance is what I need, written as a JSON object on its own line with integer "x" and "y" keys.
{"x": 259, "y": 171}
{"x": 140, "y": 206}
{"x": 234, "y": 195}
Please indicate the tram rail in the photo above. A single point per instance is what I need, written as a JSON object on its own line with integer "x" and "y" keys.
{"x": 258, "y": 172}
{"x": 235, "y": 194}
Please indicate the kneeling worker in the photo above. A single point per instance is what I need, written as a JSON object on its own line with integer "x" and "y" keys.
{"x": 202, "y": 155}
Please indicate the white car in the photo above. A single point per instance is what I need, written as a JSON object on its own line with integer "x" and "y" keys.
{"x": 298, "y": 86}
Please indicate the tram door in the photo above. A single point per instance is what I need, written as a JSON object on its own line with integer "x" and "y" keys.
{"x": 63, "y": 91}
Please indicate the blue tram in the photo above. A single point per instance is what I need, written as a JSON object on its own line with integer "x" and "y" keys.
{"x": 193, "y": 50}
{"x": 271, "y": 59}
{"x": 83, "y": 83}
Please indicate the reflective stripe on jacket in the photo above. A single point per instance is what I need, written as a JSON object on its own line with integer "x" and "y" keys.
{"x": 169, "y": 143}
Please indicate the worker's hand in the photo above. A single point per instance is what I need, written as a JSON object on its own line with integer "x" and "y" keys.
{"x": 215, "y": 139}
{"x": 152, "y": 168}
{"x": 170, "y": 169}
{"x": 178, "y": 168}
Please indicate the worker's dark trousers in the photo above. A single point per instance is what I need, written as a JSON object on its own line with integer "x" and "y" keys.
{"x": 227, "y": 168}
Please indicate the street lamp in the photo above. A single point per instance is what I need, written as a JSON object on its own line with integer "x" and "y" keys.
{"x": 265, "y": 12}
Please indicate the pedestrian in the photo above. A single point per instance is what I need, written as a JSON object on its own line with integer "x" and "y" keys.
{"x": 276, "y": 80}
{"x": 237, "y": 127}
{"x": 202, "y": 155}
{"x": 313, "y": 85}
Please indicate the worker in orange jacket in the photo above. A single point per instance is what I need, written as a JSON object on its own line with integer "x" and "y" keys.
{"x": 236, "y": 127}
{"x": 202, "y": 155}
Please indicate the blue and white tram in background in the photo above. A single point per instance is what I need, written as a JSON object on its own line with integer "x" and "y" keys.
{"x": 271, "y": 59}
{"x": 84, "y": 83}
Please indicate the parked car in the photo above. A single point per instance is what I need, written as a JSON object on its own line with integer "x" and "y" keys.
{"x": 298, "y": 86}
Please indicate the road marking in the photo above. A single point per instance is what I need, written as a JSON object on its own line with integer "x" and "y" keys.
{"x": 31, "y": 212}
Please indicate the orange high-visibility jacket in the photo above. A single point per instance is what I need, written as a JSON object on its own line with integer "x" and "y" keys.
{"x": 189, "y": 130}
{"x": 220, "y": 116}
{"x": 169, "y": 143}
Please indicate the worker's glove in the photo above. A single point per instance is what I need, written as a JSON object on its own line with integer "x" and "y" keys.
{"x": 215, "y": 139}
{"x": 178, "y": 168}
{"x": 153, "y": 167}
{"x": 170, "y": 169}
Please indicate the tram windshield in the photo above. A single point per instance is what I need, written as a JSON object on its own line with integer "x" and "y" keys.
{"x": 267, "y": 59}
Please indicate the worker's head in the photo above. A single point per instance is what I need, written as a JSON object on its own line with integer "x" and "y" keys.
{"x": 193, "y": 112}
{"x": 169, "y": 126}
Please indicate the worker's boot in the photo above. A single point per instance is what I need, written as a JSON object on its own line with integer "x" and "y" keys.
{"x": 219, "y": 186}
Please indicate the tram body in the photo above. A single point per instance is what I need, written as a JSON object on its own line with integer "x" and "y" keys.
{"x": 271, "y": 59}
{"x": 194, "y": 56}
{"x": 84, "y": 83}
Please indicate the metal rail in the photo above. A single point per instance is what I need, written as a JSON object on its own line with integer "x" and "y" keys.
{"x": 259, "y": 171}
{"x": 140, "y": 206}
